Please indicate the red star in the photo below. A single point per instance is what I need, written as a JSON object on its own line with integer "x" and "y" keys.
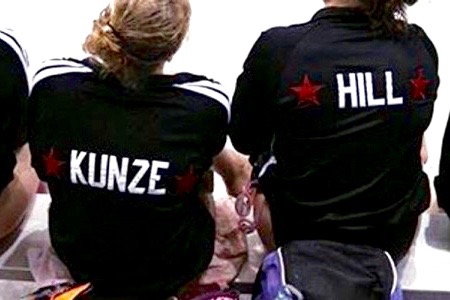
{"x": 186, "y": 182}
{"x": 307, "y": 92}
{"x": 419, "y": 86}
{"x": 52, "y": 164}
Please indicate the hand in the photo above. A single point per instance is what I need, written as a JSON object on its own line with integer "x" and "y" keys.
{"x": 263, "y": 220}
{"x": 235, "y": 170}
{"x": 17, "y": 198}
{"x": 424, "y": 152}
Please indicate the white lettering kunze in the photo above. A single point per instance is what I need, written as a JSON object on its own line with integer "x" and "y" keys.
{"x": 112, "y": 174}
{"x": 360, "y": 89}
{"x": 118, "y": 175}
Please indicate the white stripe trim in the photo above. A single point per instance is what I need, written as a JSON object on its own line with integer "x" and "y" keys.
{"x": 272, "y": 161}
{"x": 394, "y": 272}
{"x": 295, "y": 291}
{"x": 282, "y": 271}
{"x": 60, "y": 62}
{"x": 58, "y": 71}
{"x": 219, "y": 97}
{"x": 20, "y": 51}
{"x": 208, "y": 83}
{"x": 15, "y": 46}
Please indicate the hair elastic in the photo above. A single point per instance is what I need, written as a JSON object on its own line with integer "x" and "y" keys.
{"x": 126, "y": 46}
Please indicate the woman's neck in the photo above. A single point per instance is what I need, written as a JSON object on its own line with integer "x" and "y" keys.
{"x": 159, "y": 70}
{"x": 342, "y": 3}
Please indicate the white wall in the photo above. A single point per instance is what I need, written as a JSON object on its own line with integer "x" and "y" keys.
{"x": 431, "y": 16}
{"x": 221, "y": 34}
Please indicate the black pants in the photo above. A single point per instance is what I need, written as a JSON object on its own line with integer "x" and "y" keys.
{"x": 396, "y": 239}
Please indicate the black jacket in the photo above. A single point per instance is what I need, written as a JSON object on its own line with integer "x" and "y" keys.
{"x": 341, "y": 109}
{"x": 124, "y": 169}
{"x": 13, "y": 96}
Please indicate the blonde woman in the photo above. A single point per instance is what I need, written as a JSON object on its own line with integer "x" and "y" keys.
{"x": 123, "y": 148}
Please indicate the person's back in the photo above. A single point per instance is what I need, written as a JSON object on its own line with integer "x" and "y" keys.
{"x": 18, "y": 181}
{"x": 352, "y": 102}
{"x": 124, "y": 158}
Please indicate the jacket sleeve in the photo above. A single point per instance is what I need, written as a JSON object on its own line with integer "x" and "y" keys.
{"x": 442, "y": 181}
{"x": 38, "y": 129}
{"x": 251, "y": 127}
{"x": 14, "y": 95}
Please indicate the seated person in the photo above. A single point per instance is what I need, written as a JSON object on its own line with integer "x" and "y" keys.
{"x": 340, "y": 166}
{"x": 124, "y": 149}
{"x": 18, "y": 181}
{"x": 332, "y": 113}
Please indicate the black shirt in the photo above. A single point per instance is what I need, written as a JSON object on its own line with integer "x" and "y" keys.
{"x": 13, "y": 95}
{"x": 442, "y": 181}
{"x": 342, "y": 109}
{"x": 123, "y": 169}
